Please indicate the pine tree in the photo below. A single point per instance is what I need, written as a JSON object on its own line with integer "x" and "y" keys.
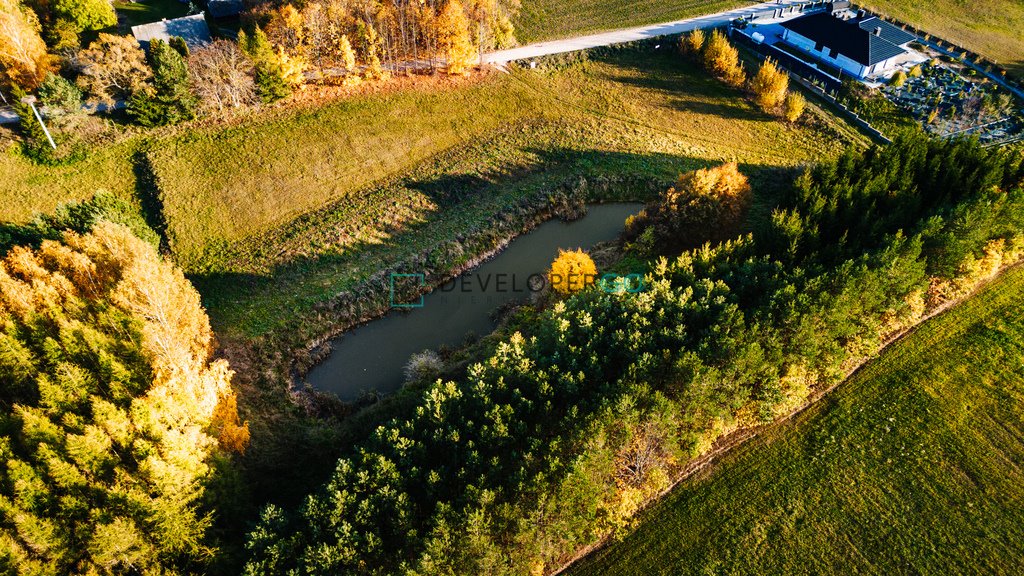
{"x": 168, "y": 100}
{"x": 269, "y": 77}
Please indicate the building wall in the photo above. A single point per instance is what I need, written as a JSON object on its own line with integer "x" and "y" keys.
{"x": 806, "y": 44}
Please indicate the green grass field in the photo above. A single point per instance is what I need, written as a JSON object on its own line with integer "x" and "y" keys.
{"x": 146, "y": 11}
{"x": 913, "y": 466}
{"x": 29, "y": 188}
{"x": 992, "y": 28}
{"x": 548, "y": 19}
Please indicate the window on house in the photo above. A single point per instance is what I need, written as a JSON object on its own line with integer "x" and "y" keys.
{"x": 833, "y": 53}
{"x": 819, "y": 47}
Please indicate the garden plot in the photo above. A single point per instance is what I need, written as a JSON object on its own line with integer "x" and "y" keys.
{"x": 951, "y": 100}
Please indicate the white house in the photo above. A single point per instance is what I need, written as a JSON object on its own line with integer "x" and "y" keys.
{"x": 860, "y": 46}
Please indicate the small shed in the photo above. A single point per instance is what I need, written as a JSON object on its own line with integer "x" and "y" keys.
{"x": 192, "y": 29}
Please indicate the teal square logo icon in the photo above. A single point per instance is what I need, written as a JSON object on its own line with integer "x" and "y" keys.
{"x": 405, "y": 280}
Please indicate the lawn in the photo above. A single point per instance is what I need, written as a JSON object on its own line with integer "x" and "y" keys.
{"x": 29, "y": 188}
{"x": 913, "y": 466}
{"x": 374, "y": 188}
{"x": 549, "y": 19}
{"x": 990, "y": 27}
{"x": 146, "y": 11}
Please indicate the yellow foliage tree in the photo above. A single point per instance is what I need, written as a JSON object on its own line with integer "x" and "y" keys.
{"x": 112, "y": 67}
{"x": 705, "y": 205}
{"x": 23, "y": 57}
{"x": 453, "y": 37}
{"x": 112, "y": 408}
{"x": 795, "y": 105}
{"x": 723, "y": 60}
{"x": 693, "y": 42}
{"x": 572, "y": 271}
{"x": 769, "y": 86}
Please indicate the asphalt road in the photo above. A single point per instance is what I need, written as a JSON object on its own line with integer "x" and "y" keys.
{"x": 764, "y": 10}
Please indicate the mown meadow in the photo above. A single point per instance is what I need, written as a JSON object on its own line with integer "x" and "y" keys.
{"x": 914, "y": 465}
{"x": 540, "y": 20}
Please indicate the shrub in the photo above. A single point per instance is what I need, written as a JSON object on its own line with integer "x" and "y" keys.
{"x": 723, "y": 60}
{"x": 898, "y": 79}
{"x": 572, "y": 271}
{"x": 425, "y": 365}
{"x": 693, "y": 43}
{"x": 769, "y": 86}
{"x": 795, "y": 105}
{"x": 704, "y": 205}
{"x": 916, "y": 71}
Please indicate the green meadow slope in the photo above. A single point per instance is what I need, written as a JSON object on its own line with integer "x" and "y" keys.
{"x": 916, "y": 465}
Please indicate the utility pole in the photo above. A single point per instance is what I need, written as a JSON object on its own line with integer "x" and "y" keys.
{"x": 31, "y": 101}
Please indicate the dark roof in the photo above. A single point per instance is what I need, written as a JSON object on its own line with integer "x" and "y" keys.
{"x": 890, "y": 32}
{"x": 224, "y": 8}
{"x": 844, "y": 36}
{"x": 192, "y": 29}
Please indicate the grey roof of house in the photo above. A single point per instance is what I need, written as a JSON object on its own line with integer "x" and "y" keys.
{"x": 224, "y": 8}
{"x": 192, "y": 29}
{"x": 846, "y": 37}
{"x": 890, "y": 32}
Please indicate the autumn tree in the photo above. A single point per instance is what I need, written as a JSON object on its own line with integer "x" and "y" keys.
{"x": 112, "y": 67}
{"x": 109, "y": 404}
{"x": 453, "y": 37}
{"x": 706, "y": 205}
{"x": 769, "y": 86}
{"x": 222, "y": 76}
{"x": 572, "y": 271}
{"x": 268, "y": 73}
{"x": 723, "y": 60}
{"x": 23, "y": 57}
{"x": 84, "y": 15}
{"x": 693, "y": 43}
{"x": 795, "y": 105}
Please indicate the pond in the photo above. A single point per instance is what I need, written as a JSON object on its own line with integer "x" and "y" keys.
{"x": 372, "y": 357}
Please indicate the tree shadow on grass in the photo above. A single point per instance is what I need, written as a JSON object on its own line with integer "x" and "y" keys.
{"x": 290, "y": 305}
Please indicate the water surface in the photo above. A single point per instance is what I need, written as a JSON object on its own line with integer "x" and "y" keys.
{"x": 373, "y": 356}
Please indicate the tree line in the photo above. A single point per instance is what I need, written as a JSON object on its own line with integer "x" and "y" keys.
{"x": 114, "y": 417}
{"x": 589, "y": 406}
{"x": 62, "y": 51}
